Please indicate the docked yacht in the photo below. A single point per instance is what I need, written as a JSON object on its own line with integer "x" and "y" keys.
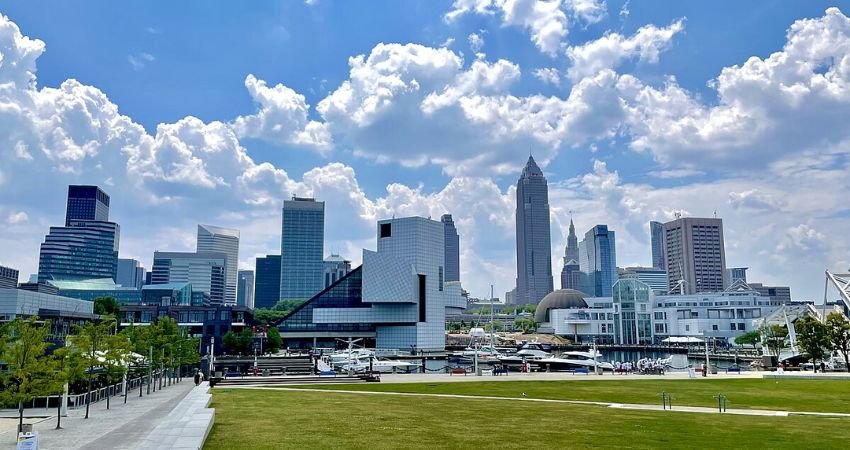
{"x": 571, "y": 361}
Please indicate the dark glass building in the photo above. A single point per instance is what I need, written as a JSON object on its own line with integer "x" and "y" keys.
{"x": 656, "y": 237}
{"x": 452, "y": 248}
{"x": 267, "y": 281}
{"x": 87, "y": 246}
{"x": 598, "y": 261}
{"x": 302, "y": 248}
{"x": 533, "y": 238}
{"x": 86, "y": 203}
{"x": 8, "y": 278}
{"x": 82, "y": 250}
{"x": 300, "y": 331}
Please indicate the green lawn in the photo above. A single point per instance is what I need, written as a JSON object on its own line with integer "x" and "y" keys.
{"x": 264, "y": 419}
{"x": 787, "y": 395}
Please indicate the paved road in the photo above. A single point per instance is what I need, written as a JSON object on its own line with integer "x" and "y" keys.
{"x": 121, "y": 427}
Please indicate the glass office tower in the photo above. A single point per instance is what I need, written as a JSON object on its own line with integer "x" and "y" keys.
{"x": 267, "y": 281}
{"x": 598, "y": 261}
{"x": 223, "y": 240}
{"x": 533, "y": 239}
{"x": 301, "y": 248}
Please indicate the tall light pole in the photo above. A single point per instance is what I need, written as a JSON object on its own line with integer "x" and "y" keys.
{"x": 91, "y": 369}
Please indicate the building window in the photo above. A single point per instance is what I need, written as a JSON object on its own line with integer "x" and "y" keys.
{"x": 732, "y": 325}
{"x": 687, "y": 328}
{"x": 386, "y": 230}
{"x": 714, "y": 327}
{"x": 422, "y": 298}
{"x": 440, "y": 277}
{"x": 741, "y": 326}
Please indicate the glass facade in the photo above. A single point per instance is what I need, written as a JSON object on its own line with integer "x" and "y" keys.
{"x": 598, "y": 261}
{"x": 82, "y": 250}
{"x": 345, "y": 293}
{"x": 205, "y": 271}
{"x": 533, "y": 238}
{"x": 267, "y": 282}
{"x": 8, "y": 278}
{"x": 632, "y": 312}
{"x": 86, "y": 203}
{"x": 223, "y": 240}
{"x": 302, "y": 247}
{"x": 130, "y": 273}
{"x": 245, "y": 289}
{"x": 656, "y": 237}
{"x": 452, "y": 249}
{"x": 176, "y": 294}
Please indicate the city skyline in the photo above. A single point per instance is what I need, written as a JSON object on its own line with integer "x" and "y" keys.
{"x": 779, "y": 220}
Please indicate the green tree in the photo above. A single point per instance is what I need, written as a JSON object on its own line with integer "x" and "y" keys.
{"x": 115, "y": 360}
{"x": 749, "y": 338}
{"x": 70, "y": 367}
{"x": 246, "y": 341}
{"x": 839, "y": 334}
{"x": 266, "y": 316}
{"x": 526, "y": 325}
{"x": 107, "y": 306}
{"x": 230, "y": 342}
{"x": 29, "y": 370}
{"x": 813, "y": 337}
{"x": 497, "y": 326}
{"x": 274, "y": 339}
{"x": 91, "y": 340}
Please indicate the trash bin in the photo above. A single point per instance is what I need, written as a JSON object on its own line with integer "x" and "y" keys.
{"x": 265, "y": 372}
{"x": 26, "y": 428}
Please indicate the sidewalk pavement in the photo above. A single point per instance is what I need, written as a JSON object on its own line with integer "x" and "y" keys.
{"x": 120, "y": 427}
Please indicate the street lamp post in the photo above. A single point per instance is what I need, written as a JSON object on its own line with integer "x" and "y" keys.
{"x": 91, "y": 369}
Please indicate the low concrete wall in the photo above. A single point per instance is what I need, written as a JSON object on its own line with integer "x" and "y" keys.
{"x": 187, "y": 426}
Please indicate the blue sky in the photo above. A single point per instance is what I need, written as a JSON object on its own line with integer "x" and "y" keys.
{"x": 644, "y": 109}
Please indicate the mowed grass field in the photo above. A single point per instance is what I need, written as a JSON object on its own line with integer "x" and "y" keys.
{"x": 745, "y": 393}
{"x": 305, "y": 419}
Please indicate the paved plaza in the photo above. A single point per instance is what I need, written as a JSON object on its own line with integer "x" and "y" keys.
{"x": 121, "y": 427}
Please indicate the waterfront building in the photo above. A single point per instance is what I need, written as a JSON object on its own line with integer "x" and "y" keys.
{"x": 87, "y": 246}
{"x": 779, "y": 294}
{"x": 695, "y": 255}
{"x": 656, "y": 238}
{"x": 652, "y": 276}
{"x": 8, "y": 278}
{"x": 205, "y": 271}
{"x": 267, "y": 281}
{"x": 719, "y": 316}
{"x": 245, "y": 290}
{"x": 734, "y": 274}
{"x": 302, "y": 248}
{"x": 86, "y": 203}
{"x": 632, "y": 301}
{"x": 510, "y": 297}
{"x": 63, "y": 313}
{"x": 452, "y": 248}
{"x": 131, "y": 274}
{"x": 222, "y": 240}
{"x": 397, "y": 299}
{"x": 203, "y": 322}
{"x": 335, "y": 267}
{"x": 598, "y": 261}
{"x": 533, "y": 237}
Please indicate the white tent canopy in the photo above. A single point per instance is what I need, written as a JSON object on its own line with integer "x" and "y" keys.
{"x": 683, "y": 340}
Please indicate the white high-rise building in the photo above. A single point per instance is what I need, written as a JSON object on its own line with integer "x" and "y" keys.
{"x": 223, "y": 240}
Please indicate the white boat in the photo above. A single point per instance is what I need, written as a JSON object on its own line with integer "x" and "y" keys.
{"x": 525, "y": 356}
{"x": 573, "y": 360}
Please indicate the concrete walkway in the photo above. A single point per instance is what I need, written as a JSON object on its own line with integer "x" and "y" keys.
{"x": 633, "y": 406}
{"x": 121, "y": 427}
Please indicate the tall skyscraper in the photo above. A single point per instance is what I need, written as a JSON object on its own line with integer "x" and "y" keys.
{"x": 245, "y": 290}
{"x": 205, "y": 271}
{"x": 301, "y": 248}
{"x": 598, "y": 261}
{"x": 267, "y": 281}
{"x": 87, "y": 246}
{"x": 335, "y": 267}
{"x": 130, "y": 273}
{"x": 533, "y": 238}
{"x": 86, "y": 203}
{"x": 695, "y": 255}
{"x": 571, "y": 272}
{"x": 223, "y": 240}
{"x": 452, "y": 248}
{"x": 656, "y": 237}
{"x": 8, "y": 278}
